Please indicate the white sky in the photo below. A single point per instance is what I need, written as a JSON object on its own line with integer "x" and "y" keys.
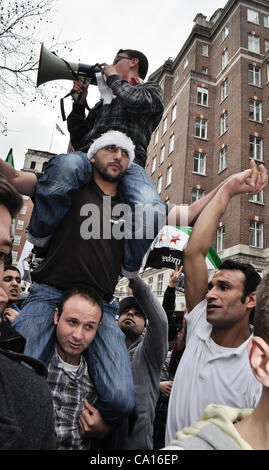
{"x": 101, "y": 27}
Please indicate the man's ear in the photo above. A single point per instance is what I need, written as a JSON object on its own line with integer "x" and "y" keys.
{"x": 92, "y": 159}
{"x": 56, "y": 316}
{"x": 258, "y": 351}
{"x": 251, "y": 300}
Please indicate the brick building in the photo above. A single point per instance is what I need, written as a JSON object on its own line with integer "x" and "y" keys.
{"x": 216, "y": 94}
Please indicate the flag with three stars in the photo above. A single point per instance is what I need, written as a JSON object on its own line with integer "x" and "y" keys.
{"x": 167, "y": 249}
{"x": 9, "y": 158}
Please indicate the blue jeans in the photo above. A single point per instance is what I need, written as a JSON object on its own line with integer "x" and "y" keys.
{"x": 66, "y": 173}
{"x": 107, "y": 356}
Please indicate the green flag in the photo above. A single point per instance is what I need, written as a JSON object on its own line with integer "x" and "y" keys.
{"x": 9, "y": 158}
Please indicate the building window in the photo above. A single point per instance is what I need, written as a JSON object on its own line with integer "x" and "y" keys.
{"x": 23, "y": 210}
{"x": 156, "y": 137}
{"x": 174, "y": 113}
{"x": 159, "y": 184}
{"x": 224, "y": 90}
{"x": 171, "y": 143}
{"x": 153, "y": 164}
{"x": 199, "y": 163}
{"x": 196, "y": 194}
{"x": 14, "y": 255}
{"x": 16, "y": 240}
{"x": 254, "y": 43}
{"x": 20, "y": 224}
{"x": 176, "y": 76}
{"x": 253, "y": 16}
{"x": 160, "y": 284}
{"x": 221, "y": 238}
{"x": 255, "y": 110}
{"x": 224, "y": 32}
{"x": 223, "y": 158}
{"x": 254, "y": 75}
{"x": 205, "y": 50}
{"x": 32, "y": 165}
{"x": 266, "y": 21}
{"x": 205, "y": 69}
{"x": 150, "y": 282}
{"x": 25, "y": 198}
{"x": 185, "y": 63}
{"x": 162, "y": 154}
{"x": 224, "y": 122}
{"x": 224, "y": 58}
{"x": 266, "y": 45}
{"x": 169, "y": 175}
{"x": 256, "y": 197}
{"x": 201, "y": 128}
{"x": 202, "y": 96}
{"x": 164, "y": 128}
{"x": 256, "y": 148}
{"x": 256, "y": 234}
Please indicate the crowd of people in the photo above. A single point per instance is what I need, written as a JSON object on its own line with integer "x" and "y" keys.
{"x": 109, "y": 375}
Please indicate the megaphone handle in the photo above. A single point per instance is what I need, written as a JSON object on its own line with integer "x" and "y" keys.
{"x": 75, "y": 95}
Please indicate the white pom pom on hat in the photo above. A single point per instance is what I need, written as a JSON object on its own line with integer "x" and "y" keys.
{"x": 113, "y": 138}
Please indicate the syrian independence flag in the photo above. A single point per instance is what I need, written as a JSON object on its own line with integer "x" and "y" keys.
{"x": 167, "y": 249}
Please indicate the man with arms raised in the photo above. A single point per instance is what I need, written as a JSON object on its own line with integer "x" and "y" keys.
{"x": 214, "y": 367}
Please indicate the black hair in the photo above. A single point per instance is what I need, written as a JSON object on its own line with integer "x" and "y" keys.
{"x": 10, "y": 267}
{"x": 9, "y": 197}
{"x": 87, "y": 293}
{"x": 142, "y": 60}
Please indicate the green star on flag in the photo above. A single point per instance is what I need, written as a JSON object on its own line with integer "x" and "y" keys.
{"x": 9, "y": 158}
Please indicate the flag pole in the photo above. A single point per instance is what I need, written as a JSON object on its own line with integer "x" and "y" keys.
{"x": 54, "y": 125}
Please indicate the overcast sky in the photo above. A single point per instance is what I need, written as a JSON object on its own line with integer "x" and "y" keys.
{"x": 156, "y": 27}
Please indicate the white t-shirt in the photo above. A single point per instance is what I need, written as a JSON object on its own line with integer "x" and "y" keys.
{"x": 208, "y": 374}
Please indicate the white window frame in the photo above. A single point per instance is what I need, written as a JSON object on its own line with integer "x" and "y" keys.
{"x": 254, "y": 75}
{"x": 159, "y": 184}
{"x": 224, "y": 32}
{"x": 23, "y": 210}
{"x": 224, "y": 58}
{"x": 253, "y": 16}
{"x": 160, "y": 284}
{"x": 224, "y": 89}
{"x": 223, "y": 160}
{"x": 202, "y": 96}
{"x": 253, "y": 43}
{"x": 205, "y": 50}
{"x": 199, "y": 162}
{"x": 171, "y": 143}
{"x": 266, "y": 21}
{"x": 185, "y": 62}
{"x": 201, "y": 128}
{"x": 257, "y": 198}
{"x": 153, "y": 164}
{"x": 169, "y": 172}
{"x": 16, "y": 240}
{"x": 164, "y": 126}
{"x": 162, "y": 153}
{"x": 20, "y": 224}
{"x": 220, "y": 242}
{"x": 14, "y": 255}
{"x": 197, "y": 194}
{"x": 256, "y": 148}
{"x": 266, "y": 45}
{"x": 156, "y": 137}
{"x": 256, "y": 234}
{"x": 174, "y": 113}
{"x": 255, "y": 108}
{"x": 223, "y": 122}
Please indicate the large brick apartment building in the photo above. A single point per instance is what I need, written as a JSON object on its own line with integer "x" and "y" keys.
{"x": 216, "y": 94}
{"x": 216, "y": 117}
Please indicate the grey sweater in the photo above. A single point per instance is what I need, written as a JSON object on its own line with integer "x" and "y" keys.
{"x": 147, "y": 356}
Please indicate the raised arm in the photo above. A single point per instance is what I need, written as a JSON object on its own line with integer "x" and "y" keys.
{"x": 195, "y": 269}
{"x": 23, "y": 181}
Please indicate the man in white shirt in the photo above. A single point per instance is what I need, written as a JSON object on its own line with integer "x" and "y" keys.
{"x": 214, "y": 367}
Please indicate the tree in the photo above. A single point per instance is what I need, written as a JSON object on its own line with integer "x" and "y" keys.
{"x": 20, "y": 24}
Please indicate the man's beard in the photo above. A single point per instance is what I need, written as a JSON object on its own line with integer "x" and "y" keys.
{"x": 129, "y": 332}
{"x": 102, "y": 170}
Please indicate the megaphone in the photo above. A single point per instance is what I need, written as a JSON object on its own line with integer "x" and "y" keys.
{"x": 52, "y": 67}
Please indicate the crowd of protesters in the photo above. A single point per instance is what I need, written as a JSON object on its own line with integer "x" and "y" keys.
{"x": 126, "y": 376}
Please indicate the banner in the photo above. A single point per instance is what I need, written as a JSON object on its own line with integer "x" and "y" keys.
{"x": 9, "y": 158}
{"x": 167, "y": 249}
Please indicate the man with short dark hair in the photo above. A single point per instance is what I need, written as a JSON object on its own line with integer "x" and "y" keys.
{"x": 77, "y": 319}
{"x": 214, "y": 367}
{"x": 12, "y": 286}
